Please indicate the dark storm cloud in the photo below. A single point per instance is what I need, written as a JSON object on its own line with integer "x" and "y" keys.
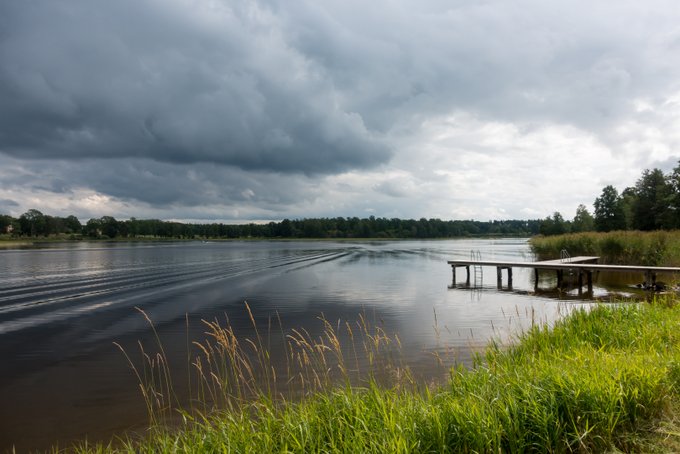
{"x": 166, "y": 185}
{"x": 304, "y": 87}
{"x": 565, "y": 62}
{"x": 7, "y": 205}
{"x": 163, "y": 186}
{"x": 163, "y": 81}
{"x": 183, "y": 104}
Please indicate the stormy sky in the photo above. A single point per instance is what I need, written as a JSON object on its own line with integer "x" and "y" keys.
{"x": 263, "y": 110}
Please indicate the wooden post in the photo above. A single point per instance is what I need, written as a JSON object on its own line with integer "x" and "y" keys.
{"x": 590, "y": 281}
{"x": 453, "y": 270}
{"x": 499, "y": 277}
{"x": 535, "y": 279}
{"x": 467, "y": 281}
{"x": 509, "y": 277}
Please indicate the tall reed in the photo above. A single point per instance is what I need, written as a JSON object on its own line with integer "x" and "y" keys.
{"x": 600, "y": 380}
{"x": 230, "y": 372}
{"x": 622, "y": 247}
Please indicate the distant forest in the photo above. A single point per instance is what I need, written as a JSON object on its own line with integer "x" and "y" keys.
{"x": 652, "y": 204}
{"x": 33, "y": 223}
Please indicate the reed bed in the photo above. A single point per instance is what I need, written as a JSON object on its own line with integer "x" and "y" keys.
{"x": 228, "y": 372}
{"x": 600, "y": 380}
{"x": 621, "y": 247}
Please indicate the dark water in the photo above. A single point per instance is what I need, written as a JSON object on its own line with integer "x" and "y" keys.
{"x": 62, "y": 307}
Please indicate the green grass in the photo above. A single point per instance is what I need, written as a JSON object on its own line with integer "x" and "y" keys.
{"x": 623, "y": 247}
{"x": 604, "y": 380}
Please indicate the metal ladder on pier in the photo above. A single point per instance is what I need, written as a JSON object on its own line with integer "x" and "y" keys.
{"x": 476, "y": 256}
{"x": 564, "y": 256}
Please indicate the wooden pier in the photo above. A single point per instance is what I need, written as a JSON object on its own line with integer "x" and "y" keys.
{"x": 585, "y": 266}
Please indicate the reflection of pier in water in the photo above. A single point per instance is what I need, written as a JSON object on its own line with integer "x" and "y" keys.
{"x": 583, "y": 266}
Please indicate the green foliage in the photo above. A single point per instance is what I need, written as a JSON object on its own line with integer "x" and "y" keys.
{"x": 34, "y": 223}
{"x": 652, "y": 204}
{"x": 583, "y": 220}
{"x": 599, "y": 380}
{"x": 609, "y": 214}
{"x": 555, "y": 225}
{"x": 650, "y": 208}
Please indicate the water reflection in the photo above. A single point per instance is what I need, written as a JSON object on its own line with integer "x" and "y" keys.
{"x": 61, "y": 309}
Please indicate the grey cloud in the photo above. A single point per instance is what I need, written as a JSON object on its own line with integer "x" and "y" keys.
{"x": 94, "y": 79}
{"x": 7, "y": 205}
{"x": 164, "y": 186}
{"x": 568, "y": 62}
{"x": 392, "y": 188}
{"x": 311, "y": 87}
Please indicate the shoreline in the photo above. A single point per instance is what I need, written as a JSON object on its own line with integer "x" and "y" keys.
{"x": 36, "y": 243}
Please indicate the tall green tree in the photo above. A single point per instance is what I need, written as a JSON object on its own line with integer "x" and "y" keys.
{"x": 109, "y": 226}
{"x": 673, "y": 181}
{"x": 555, "y": 225}
{"x": 609, "y": 211}
{"x": 651, "y": 206}
{"x": 33, "y": 222}
{"x": 583, "y": 221}
{"x": 73, "y": 225}
{"x": 628, "y": 200}
{"x": 93, "y": 228}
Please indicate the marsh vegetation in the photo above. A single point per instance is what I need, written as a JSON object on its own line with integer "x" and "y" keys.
{"x": 600, "y": 380}
{"x": 655, "y": 248}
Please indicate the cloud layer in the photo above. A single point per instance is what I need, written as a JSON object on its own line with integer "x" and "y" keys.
{"x": 270, "y": 109}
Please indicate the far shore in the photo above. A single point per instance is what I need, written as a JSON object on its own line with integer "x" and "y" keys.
{"x": 12, "y": 244}
{"x": 24, "y": 243}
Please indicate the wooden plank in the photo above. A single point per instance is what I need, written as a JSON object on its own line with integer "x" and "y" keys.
{"x": 578, "y": 259}
{"x": 557, "y": 265}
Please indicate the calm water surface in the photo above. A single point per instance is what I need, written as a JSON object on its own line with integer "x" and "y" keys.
{"x": 63, "y": 307}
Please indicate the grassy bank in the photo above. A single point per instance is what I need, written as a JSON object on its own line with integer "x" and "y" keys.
{"x": 603, "y": 380}
{"x": 624, "y": 248}
{"x": 13, "y": 244}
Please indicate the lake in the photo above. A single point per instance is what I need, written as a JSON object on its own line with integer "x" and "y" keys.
{"x": 63, "y": 306}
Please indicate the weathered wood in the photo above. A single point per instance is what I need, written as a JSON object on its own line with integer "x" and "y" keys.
{"x": 571, "y": 265}
{"x": 578, "y": 259}
{"x": 582, "y": 265}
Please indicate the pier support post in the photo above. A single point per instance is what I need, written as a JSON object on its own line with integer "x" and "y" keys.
{"x": 650, "y": 279}
{"x": 467, "y": 280}
{"x": 499, "y": 276}
{"x": 535, "y": 279}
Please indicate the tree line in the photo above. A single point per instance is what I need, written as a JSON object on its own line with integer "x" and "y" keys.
{"x": 652, "y": 204}
{"x": 33, "y": 223}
